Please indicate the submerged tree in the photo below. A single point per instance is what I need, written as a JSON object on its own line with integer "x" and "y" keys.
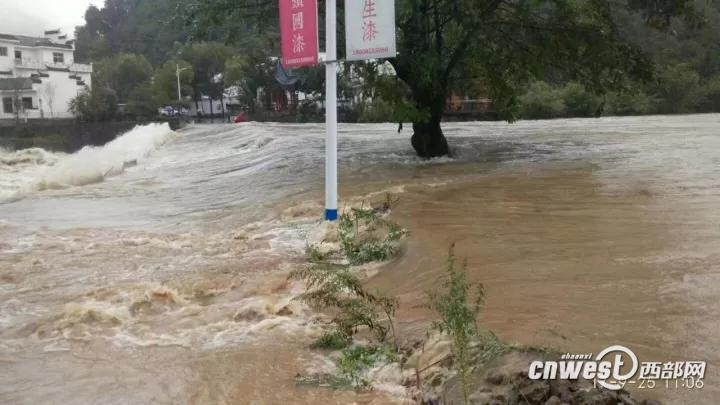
{"x": 450, "y": 44}
{"x": 503, "y": 44}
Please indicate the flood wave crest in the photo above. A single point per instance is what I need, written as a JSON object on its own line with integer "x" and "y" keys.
{"x": 30, "y": 170}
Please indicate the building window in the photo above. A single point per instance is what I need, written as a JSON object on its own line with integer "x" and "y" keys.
{"x": 3, "y": 51}
{"x": 58, "y": 57}
{"x": 18, "y": 55}
{"x": 8, "y": 105}
{"x": 27, "y": 103}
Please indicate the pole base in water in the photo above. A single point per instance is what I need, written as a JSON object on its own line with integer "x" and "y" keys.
{"x": 331, "y": 215}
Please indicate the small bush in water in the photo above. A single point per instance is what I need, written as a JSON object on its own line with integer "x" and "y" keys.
{"x": 332, "y": 340}
{"x": 358, "y": 359}
{"x": 458, "y": 304}
{"x": 365, "y": 236}
{"x": 335, "y": 287}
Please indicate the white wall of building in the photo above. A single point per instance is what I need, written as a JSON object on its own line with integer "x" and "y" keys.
{"x": 50, "y": 61}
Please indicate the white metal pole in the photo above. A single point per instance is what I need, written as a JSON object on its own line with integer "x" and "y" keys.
{"x": 331, "y": 167}
{"x": 177, "y": 73}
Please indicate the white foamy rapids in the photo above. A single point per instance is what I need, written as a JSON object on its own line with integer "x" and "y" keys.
{"x": 29, "y": 170}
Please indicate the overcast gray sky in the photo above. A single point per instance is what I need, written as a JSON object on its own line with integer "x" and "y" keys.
{"x": 32, "y": 17}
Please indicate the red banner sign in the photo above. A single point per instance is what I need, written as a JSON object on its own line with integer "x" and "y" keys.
{"x": 299, "y": 32}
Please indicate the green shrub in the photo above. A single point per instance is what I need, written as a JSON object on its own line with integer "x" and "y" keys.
{"x": 332, "y": 340}
{"x": 141, "y": 103}
{"x": 356, "y": 360}
{"x": 335, "y": 287}
{"x": 366, "y": 237}
{"x": 579, "y": 102}
{"x": 458, "y": 304}
{"x": 677, "y": 90}
{"x": 377, "y": 110}
{"x": 541, "y": 101}
{"x": 629, "y": 103}
{"x": 96, "y": 104}
{"x": 711, "y": 95}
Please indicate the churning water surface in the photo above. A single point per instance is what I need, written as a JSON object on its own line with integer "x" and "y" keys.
{"x": 153, "y": 269}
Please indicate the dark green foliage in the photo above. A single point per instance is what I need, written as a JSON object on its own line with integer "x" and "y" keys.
{"x": 542, "y": 101}
{"x": 357, "y": 359}
{"x": 629, "y": 103}
{"x": 141, "y": 103}
{"x": 336, "y": 288}
{"x": 486, "y": 48}
{"x": 332, "y": 340}
{"x": 208, "y": 62}
{"x": 365, "y": 236}
{"x": 579, "y": 102}
{"x": 164, "y": 84}
{"x": 130, "y": 26}
{"x": 353, "y": 363}
{"x": 98, "y": 104}
{"x": 711, "y": 95}
{"x": 458, "y": 304}
{"x": 678, "y": 90}
{"x": 124, "y": 73}
{"x": 500, "y": 46}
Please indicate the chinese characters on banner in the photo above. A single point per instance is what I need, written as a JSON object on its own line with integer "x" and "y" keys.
{"x": 370, "y": 29}
{"x": 299, "y": 32}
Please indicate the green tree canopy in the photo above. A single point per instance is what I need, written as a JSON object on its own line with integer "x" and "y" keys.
{"x": 165, "y": 82}
{"x": 98, "y": 104}
{"x": 502, "y": 44}
{"x": 130, "y": 26}
{"x": 123, "y": 73}
{"x": 208, "y": 61}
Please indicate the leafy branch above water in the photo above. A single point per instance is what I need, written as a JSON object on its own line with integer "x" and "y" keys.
{"x": 365, "y": 235}
{"x": 458, "y": 305}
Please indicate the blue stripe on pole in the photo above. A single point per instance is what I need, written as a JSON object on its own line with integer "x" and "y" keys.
{"x": 331, "y": 215}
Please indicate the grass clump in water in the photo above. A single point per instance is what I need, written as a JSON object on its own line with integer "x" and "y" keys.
{"x": 366, "y": 236}
{"x": 353, "y": 365}
{"x": 356, "y": 360}
{"x": 334, "y": 287}
{"x": 315, "y": 255}
{"x": 458, "y": 304}
{"x": 332, "y": 340}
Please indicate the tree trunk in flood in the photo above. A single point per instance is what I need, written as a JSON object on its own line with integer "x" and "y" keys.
{"x": 428, "y": 139}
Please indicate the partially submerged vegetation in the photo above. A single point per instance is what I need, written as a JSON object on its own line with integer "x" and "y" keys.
{"x": 333, "y": 285}
{"x": 458, "y": 304}
{"x": 366, "y": 236}
{"x": 335, "y": 288}
{"x": 456, "y": 362}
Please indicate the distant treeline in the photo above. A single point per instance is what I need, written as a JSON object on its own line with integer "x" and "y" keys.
{"x": 138, "y": 45}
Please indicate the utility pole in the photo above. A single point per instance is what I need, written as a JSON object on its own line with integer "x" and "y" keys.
{"x": 331, "y": 166}
{"x": 177, "y": 73}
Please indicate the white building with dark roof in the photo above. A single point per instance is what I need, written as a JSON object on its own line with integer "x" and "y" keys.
{"x": 39, "y": 76}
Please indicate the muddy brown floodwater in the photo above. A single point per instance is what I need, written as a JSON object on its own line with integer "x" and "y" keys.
{"x": 165, "y": 281}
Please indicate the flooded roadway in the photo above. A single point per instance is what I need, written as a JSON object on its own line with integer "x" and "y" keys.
{"x": 153, "y": 270}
